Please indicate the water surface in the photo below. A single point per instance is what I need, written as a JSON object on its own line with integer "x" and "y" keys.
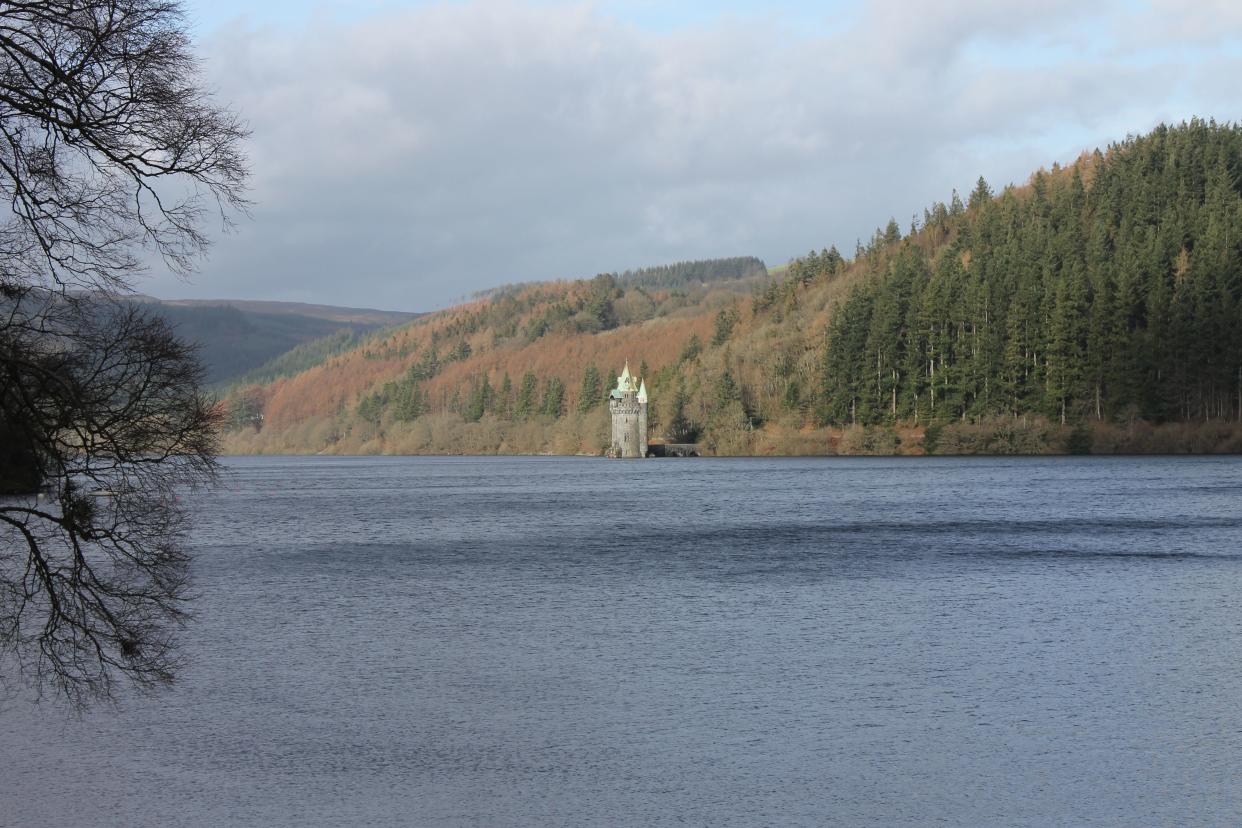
{"x": 566, "y": 641}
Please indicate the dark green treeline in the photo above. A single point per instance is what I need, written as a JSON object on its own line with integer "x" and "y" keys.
{"x": 1107, "y": 290}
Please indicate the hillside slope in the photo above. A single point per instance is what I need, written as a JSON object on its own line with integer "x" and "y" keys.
{"x": 1096, "y": 307}
{"x": 1108, "y": 292}
{"x": 331, "y": 313}
{"x": 236, "y": 337}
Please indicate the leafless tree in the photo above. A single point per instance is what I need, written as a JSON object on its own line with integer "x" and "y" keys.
{"x": 112, "y": 153}
{"x": 108, "y": 141}
{"x": 92, "y": 580}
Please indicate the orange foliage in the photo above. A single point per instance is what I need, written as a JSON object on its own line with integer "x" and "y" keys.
{"x": 656, "y": 341}
{"x": 336, "y": 386}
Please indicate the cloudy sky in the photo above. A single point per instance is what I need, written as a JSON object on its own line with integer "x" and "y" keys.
{"x": 406, "y": 154}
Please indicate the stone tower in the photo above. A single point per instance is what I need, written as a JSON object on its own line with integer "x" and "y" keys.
{"x": 628, "y": 405}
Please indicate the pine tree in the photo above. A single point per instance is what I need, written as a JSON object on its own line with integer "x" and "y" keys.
{"x": 694, "y": 346}
{"x": 504, "y": 398}
{"x": 680, "y": 428}
{"x": 727, "y": 390}
{"x": 553, "y": 404}
{"x": 480, "y": 401}
{"x": 1067, "y": 346}
{"x": 591, "y": 394}
{"x": 524, "y": 407}
{"x": 981, "y": 195}
{"x": 725, "y": 320}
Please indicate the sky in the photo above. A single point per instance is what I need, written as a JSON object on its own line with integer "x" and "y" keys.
{"x": 408, "y": 154}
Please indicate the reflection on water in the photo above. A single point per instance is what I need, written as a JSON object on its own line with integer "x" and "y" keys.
{"x": 572, "y": 641}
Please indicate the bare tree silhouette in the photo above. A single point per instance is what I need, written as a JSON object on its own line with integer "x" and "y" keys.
{"x": 111, "y": 152}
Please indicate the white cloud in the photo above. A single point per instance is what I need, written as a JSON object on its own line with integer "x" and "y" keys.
{"x": 411, "y": 157}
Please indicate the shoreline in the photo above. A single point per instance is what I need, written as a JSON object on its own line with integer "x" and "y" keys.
{"x": 996, "y": 437}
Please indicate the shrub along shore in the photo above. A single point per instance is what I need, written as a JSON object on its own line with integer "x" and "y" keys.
{"x": 587, "y": 435}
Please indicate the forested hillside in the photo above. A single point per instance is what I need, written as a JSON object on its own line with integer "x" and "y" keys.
{"x": 1109, "y": 290}
{"x": 1094, "y": 308}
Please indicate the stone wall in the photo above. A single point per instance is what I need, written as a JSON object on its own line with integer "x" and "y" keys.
{"x": 629, "y": 438}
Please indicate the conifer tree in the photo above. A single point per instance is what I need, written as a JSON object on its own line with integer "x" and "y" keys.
{"x": 504, "y": 398}
{"x": 591, "y": 394}
{"x": 480, "y": 401}
{"x": 680, "y": 428}
{"x": 553, "y": 404}
{"x": 725, "y": 320}
{"x": 524, "y": 406}
{"x": 981, "y": 195}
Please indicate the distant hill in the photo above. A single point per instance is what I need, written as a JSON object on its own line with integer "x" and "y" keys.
{"x": 1097, "y": 307}
{"x": 351, "y": 316}
{"x": 236, "y": 337}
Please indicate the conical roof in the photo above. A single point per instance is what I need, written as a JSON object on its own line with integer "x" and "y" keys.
{"x": 625, "y": 382}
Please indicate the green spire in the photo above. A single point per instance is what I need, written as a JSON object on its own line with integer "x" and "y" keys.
{"x": 625, "y": 382}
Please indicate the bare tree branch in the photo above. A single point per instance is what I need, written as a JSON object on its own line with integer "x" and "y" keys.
{"x": 109, "y": 142}
{"x": 109, "y": 146}
{"x": 93, "y": 582}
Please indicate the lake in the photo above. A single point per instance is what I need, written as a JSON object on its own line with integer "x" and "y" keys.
{"x": 572, "y": 641}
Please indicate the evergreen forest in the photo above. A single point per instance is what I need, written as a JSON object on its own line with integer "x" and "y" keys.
{"x": 682, "y": 275}
{"x": 1108, "y": 290}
